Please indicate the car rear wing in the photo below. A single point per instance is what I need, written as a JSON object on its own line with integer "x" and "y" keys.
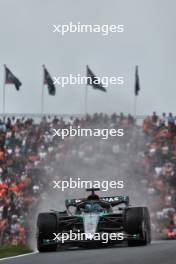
{"x": 113, "y": 200}
{"x": 74, "y": 202}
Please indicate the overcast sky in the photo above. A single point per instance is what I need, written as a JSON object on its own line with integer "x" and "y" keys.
{"x": 149, "y": 40}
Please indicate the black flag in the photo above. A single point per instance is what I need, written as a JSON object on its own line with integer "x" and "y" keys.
{"x": 137, "y": 85}
{"x": 10, "y": 78}
{"x": 49, "y": 82}
{"x": 93, "y": 81}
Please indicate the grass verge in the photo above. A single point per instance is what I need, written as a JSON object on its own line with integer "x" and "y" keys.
{"x": 9, "y": 251}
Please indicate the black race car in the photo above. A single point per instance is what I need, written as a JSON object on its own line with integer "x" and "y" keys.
{"x": 94, "y": 221}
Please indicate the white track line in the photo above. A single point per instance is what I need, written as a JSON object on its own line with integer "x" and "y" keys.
{"x": 22, "y": 255}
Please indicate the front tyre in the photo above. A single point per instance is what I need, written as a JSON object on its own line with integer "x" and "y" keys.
{"x": 138, "y": 225}
{"x": 46, "y": 226}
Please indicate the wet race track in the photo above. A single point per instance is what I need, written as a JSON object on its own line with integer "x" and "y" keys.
{"x": 159, "y": 252}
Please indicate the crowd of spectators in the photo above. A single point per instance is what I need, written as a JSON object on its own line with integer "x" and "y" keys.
{"x": 29, "y": 154}
{"x": 158, "y": 166}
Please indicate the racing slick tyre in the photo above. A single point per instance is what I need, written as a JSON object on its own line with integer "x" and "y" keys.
{"x": 46, "y": 226}
{"x": 137, "y": 223}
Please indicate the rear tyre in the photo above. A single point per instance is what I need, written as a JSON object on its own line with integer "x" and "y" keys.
{"x": 137, "y": 222}
{"x": 46, "y": 226}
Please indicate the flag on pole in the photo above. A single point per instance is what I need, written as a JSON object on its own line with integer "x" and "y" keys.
{"x": 94, "y": 81}
{"x": 49, "y": 82}
{"x": 137, "y": 84}
{"x": 10, "y": 78}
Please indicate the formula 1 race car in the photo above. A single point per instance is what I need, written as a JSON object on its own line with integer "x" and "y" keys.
{"x": 89, "y": 219}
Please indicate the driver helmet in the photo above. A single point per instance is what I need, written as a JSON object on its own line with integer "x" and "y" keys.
{"x": 88, "y": 207}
